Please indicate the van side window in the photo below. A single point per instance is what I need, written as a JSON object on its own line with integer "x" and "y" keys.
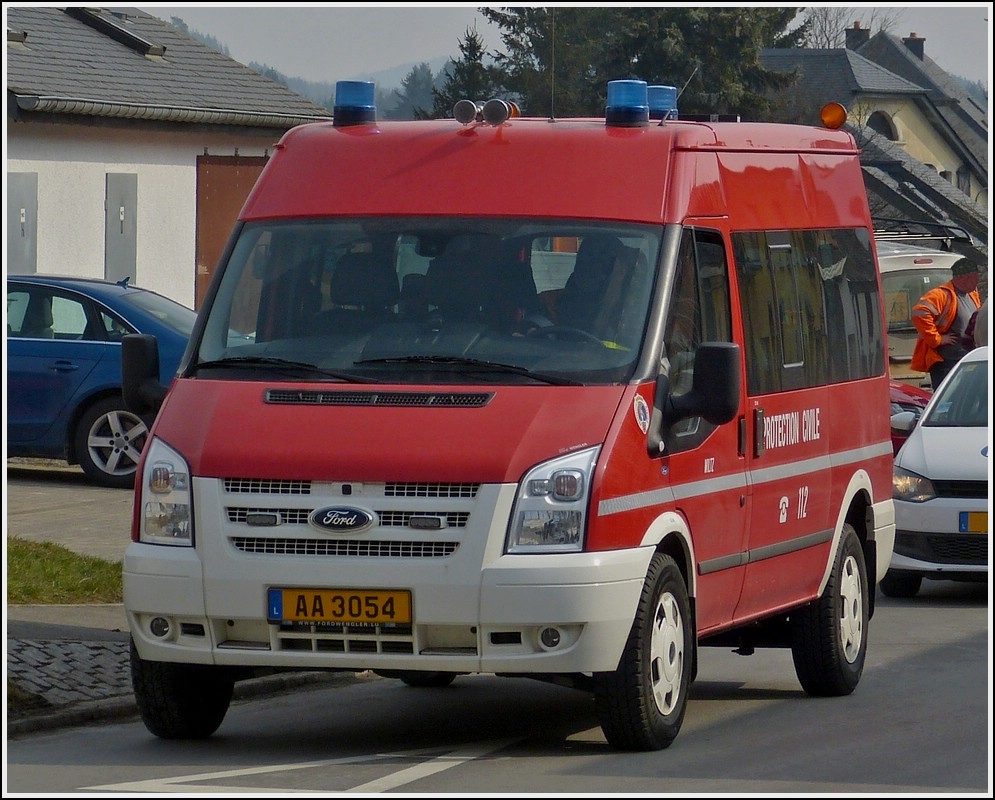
{"x": 811, "y": 308}
{"x": 698, "y": 312}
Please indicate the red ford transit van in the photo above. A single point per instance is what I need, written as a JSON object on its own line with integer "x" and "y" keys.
{"x": 563, "y": 399}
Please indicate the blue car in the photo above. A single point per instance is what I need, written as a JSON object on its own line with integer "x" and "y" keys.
{"x": 64, "y": 369}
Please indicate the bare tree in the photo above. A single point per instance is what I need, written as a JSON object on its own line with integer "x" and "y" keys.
{"x": 828, "y": 24}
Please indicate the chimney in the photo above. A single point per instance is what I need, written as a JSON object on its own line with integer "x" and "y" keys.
{"x": 916, "y": 45}
{"x": 856, "y": 36}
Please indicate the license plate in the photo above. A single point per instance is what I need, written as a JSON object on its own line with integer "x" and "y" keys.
{"x": 973, "y": 522}
{"x": 347, "y": 606}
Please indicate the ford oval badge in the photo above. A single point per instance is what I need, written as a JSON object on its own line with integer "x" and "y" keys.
{"x": 341, "y": 519}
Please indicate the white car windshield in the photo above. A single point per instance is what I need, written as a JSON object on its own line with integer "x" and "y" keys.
{"x": 962, "y": 400}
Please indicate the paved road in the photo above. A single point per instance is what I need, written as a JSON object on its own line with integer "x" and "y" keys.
{"x": 48, "y": 501}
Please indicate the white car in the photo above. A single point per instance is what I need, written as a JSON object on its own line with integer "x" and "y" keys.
{"x": 940, "y": 484}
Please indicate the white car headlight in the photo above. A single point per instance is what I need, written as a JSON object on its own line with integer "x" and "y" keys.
{"x": 910, "y": 487}
{"x": 550, "y": 512}
{"x": 166, "y": 514}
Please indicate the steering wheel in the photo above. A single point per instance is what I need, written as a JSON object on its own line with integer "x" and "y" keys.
{"x": 565, "y": 332}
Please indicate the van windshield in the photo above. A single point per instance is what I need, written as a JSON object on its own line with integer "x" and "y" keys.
{"x": 902, "y": 290}
{"x": 432, "y": 300}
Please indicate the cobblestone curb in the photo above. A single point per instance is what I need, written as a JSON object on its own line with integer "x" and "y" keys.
{"x": 62, "y": 683}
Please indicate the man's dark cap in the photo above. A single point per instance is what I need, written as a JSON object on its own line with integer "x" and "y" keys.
{"x": 964, "y": 267}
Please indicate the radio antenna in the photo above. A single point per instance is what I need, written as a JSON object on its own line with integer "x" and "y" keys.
{"x": 552, "y": 61}
{"x": 697, "y": 66}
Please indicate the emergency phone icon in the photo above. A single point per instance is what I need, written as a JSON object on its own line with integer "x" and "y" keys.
{"x": 783, "y": 506}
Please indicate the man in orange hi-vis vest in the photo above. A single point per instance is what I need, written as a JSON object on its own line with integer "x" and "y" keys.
{"x": 941, "y": 317}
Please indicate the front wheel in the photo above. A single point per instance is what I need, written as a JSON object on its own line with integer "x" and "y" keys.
{"x": 641, "y": 704}
{"x": 180, "y": 701}
{"x": 109, "y": 441}
{"x": 829, "y": 637}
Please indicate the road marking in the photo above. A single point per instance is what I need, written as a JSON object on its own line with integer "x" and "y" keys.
{"x": 439, "y": 764}
{"x": 205, "y": 781}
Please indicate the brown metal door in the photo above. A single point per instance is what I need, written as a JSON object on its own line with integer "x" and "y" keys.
{"x": 223, "y": 183}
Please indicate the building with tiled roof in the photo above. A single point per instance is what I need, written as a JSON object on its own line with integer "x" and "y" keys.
{"x": 963, "y": 116}
{"x": 116, "y": 109}
{"x": 892, "y": 87}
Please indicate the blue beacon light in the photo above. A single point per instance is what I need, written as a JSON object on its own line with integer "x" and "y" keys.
{"x": 355, "y": 103}
{"x": 662, "y": 102}
{"x": 628, "y": 106}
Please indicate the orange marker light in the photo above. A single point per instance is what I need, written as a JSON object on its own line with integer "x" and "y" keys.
{"x": 833, "y": 115}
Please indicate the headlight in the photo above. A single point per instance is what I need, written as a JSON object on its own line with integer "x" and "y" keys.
{"x": 550, "y": 512}
{"x": 910, "y": 487}
{"x": 166, "y": 514}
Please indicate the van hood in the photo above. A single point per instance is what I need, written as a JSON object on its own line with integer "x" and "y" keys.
{"x": 489, "y": 434}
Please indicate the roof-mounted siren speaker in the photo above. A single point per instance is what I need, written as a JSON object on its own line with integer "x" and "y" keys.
{"x": 497, "y": 111}
{"x": 628, "y": 106}
{"x": 662, "y": 102}
{"x": 466, "y": 111}
{"x": 355, "y": 103}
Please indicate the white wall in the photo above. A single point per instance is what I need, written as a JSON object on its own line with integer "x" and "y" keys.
{"x": 72, "y": 163}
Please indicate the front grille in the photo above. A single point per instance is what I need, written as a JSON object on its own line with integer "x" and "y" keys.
{"x": 387, "y": 519}
{"x": 263, "y": 486}
{"x": 288, "y": 516}
{"x": 412, "y": 520}
{"x": 356, "y": 548}
{"x": 467, "y": 490}
{"x": 391, "y": 489}
{"x": 937, "y": 548}
{"x": 964, "y": 490}
{"x": 397, "y": 639}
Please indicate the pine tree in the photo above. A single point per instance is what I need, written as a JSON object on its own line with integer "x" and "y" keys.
{"x": 414, "y": 95}
{"x": 469, "y": 78}
{"x": 559, "y": 60}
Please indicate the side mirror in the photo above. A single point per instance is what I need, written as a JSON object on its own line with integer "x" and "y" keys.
{"x": 714, "y": 394}
{"x": 904, "y": 421}
{"x": 140, "y": 385}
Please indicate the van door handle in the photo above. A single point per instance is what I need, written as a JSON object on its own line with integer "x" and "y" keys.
{"x": 758, "y": 432}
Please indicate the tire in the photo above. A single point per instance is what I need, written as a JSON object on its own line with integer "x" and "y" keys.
{"x": 829, "y": 637}
{"x": 420, "y": 680}
{"x": 108, "y": 441}
{"x": 641, "y": 704}
{"x": 180, "y": 701}
{"x": 899, "y": 583}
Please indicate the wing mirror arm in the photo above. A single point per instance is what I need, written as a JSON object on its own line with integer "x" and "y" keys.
{"x": 141, "y": 388}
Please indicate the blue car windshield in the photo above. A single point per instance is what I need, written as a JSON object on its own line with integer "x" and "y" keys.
{"x": 176, "y": 316}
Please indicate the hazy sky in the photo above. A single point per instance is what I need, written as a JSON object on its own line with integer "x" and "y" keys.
{"x": 341, "y": 41}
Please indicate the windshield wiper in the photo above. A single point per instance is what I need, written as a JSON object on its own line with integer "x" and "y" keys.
{"x": 474, "y": 364}
{"x": 281, "y": 364}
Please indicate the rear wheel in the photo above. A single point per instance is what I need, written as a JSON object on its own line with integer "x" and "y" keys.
{"x": 180, "y": 701}
{"x": 899, "y": 583}
{"x": 109, "y": 441}
{"x": 641, "y": 704}
{"x": 829, "y": 637}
